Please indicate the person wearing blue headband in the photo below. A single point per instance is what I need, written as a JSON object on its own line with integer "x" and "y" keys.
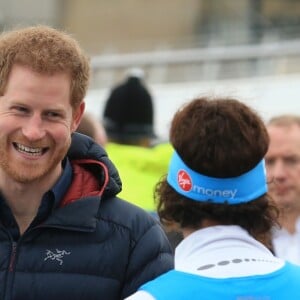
{"x": 216, "y": 194}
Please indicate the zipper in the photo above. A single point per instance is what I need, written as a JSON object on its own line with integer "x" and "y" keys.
{"x": 14, "y": 250}
{"x": 10, "y": 271}
{"x": 13, "y": 256}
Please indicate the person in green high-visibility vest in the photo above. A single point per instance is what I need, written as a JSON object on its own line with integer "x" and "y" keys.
{"x": 128, "y": 118}
{"x": 140, "y": 168}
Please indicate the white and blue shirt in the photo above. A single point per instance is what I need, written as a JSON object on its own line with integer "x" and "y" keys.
{"x": 224, "y": 262}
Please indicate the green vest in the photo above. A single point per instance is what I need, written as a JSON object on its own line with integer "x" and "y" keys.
{"x": 140, "y": 169}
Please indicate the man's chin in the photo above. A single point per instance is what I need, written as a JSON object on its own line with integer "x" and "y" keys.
{"x": 22, "y": 177}
{"x": 25, "y": 179}
{"x": 287, "y": 204}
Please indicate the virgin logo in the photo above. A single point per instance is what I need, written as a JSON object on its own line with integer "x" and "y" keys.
{"x": 184, "y": 180}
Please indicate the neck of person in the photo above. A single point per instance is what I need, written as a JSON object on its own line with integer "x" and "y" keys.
{"x": 288, "y": 219}
{"x": 24, "y": 199}
{"x": 204, "y": 223}
{"x": 24, "y": 206}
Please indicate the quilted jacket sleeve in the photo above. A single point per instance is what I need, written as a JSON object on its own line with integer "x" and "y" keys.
{"x": 150, "y": 257}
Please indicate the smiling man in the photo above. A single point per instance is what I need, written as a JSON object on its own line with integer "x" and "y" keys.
{"x": 63, "y": 232}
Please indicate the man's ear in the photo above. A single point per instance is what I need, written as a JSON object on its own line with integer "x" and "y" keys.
{"x": 77, "y": 116}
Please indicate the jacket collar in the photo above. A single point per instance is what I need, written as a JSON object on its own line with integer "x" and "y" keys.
{"x": 94, "y": 178}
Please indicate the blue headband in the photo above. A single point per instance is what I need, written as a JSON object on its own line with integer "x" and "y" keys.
{"x": 240, "y": 189}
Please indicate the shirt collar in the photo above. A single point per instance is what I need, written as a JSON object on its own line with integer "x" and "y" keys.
{"x": 211, "y": 245}
{"x": 63, "y": 183}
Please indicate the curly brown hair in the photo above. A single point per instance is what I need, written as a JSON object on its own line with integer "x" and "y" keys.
{"x": 46, "y": 51}
{"x": 219, "y": 138}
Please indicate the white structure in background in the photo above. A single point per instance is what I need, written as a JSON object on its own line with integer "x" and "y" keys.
{"x": 270, "y": 72}
{"x": 28, "y": 12}
{"x": 268, "y": 95}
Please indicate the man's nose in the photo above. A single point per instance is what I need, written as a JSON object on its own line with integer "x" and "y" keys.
{"x": 34, "y": 129}
{"x": 277, "y": 170}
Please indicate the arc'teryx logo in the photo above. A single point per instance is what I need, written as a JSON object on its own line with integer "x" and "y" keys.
{"x": 184, "y": 180}
{"x": 58, "y": 256}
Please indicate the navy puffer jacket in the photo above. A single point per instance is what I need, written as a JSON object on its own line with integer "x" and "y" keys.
{"x": 94, "y": 246}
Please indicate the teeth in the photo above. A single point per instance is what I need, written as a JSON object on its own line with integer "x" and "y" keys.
{"x": 29, "y": 150}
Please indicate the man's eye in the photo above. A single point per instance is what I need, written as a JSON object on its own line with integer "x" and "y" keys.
{"x": 20, "y": 109}
{"x": 269, "y": 162}
{"x": 52, "y": 114}
{"x": 291, "y": 161}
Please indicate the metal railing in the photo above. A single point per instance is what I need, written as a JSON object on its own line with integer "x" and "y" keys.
{"x": 201, "y": 64}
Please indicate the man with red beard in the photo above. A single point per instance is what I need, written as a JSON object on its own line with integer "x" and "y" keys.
{"x": 63, "y": 232}
{"x": 283, "y": 169}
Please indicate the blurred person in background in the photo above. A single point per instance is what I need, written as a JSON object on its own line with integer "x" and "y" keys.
{"x": 128, "y": 119}
{"x": 283, "y": 168}
{"x": 216, "y": 193}
{"x": 140, "y": 156}
{"x": 64, "y": 233}
{"x": 90, "y": 126}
